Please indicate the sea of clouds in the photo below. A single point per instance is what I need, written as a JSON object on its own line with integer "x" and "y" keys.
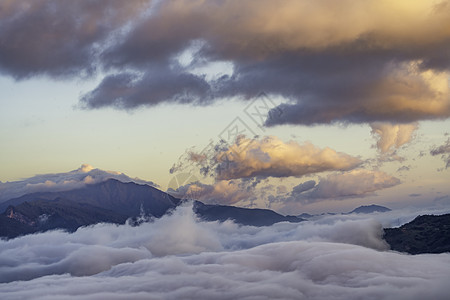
{"x": 180, "y": 257}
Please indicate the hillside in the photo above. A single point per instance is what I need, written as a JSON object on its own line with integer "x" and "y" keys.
{"x": 425, "y": 234}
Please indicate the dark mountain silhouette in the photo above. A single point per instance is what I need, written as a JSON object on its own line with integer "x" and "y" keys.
{"x": 11, "y": 228}
{"x": 364, "y": 209}
{"x": 305, "y": 216}
{"x": 123, "y": 198}
{"x": 111, "y": 201}
{"x": 425, "y": 234}
{"x": 368, "y": 209}
{"x": 43, "y": 215}
{"x": 243, "y": 216}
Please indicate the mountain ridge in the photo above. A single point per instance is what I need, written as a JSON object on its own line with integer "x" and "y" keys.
{"x": 125, "y": 197}
{"x": 113, "y": 201}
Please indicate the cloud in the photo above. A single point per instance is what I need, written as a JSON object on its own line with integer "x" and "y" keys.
{"x": 362, "y": 67}
{"x": 59, "y": 39}
{"x": 78, "y": 178}
{"x": 125, "y": 90}
{"x": 225, "y": 192}
{"x": 271, "y": 157}
{"x": 177, "y": 234}
{"x": 392, "y": 136}
{"x": 179, "y": 257}
{"x": 379, "y": 61}
{"x": 303, "y": 187}
{"x": 404, "y": 168}
{"x": 355, "y": 183}
{"x": 444, "y": 151}
{"x": 401, "y": 93}
{"x": 414, "y": 195}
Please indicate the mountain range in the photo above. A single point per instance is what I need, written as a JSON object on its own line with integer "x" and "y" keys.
{"x": 364, "y": 209}
{"x": 112, "y": 201}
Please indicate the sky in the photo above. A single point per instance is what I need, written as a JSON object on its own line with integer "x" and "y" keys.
{"x": 297, "y": 106}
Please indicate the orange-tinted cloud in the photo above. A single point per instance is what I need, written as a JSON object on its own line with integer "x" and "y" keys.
{"x": 392, "y": 136}
{"x": 226, "y": 192}
{"x": 271, "y": 157}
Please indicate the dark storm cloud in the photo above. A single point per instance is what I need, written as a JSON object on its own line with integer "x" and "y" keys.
{"x": 377, "y": 61}
{"x": 58, "y": 38}
{"x": 159, "y": 84}
{"x": 373, "y": 71}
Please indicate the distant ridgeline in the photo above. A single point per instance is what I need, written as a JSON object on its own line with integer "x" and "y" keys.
{"x": 368, "y": 209}
{"x": 111, "y": 201}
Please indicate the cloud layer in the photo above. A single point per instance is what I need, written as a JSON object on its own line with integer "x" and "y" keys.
{"x": 359, "y": 62}
{"x": 78, "y": 178}
{"x": 179, "y": 257}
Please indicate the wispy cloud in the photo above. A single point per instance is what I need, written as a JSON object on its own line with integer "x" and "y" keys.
{"x": 444, "y": 151}
{"x": 338, "y": 186}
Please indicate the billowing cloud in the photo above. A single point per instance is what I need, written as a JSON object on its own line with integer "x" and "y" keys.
{"x": 225, "y": 192}
{"x": 366, "y": 68}
{"x": 400, "y": 93}
{"x": 444, "y": 151}
{"x": 177, "y": 234}
{"x": 392, "y": 136}
{"x": 355, "y": 183}
{"x": 359, "y": 62}
{"x": 78, "y": 178}
{"x": 271, "y": 157}
{"x": 179, "y": 257}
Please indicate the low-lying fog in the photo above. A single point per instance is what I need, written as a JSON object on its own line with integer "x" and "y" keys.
{"x": 180, "y": 257}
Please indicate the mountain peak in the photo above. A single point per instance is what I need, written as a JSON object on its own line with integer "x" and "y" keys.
{"x": 368, "y": 209}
